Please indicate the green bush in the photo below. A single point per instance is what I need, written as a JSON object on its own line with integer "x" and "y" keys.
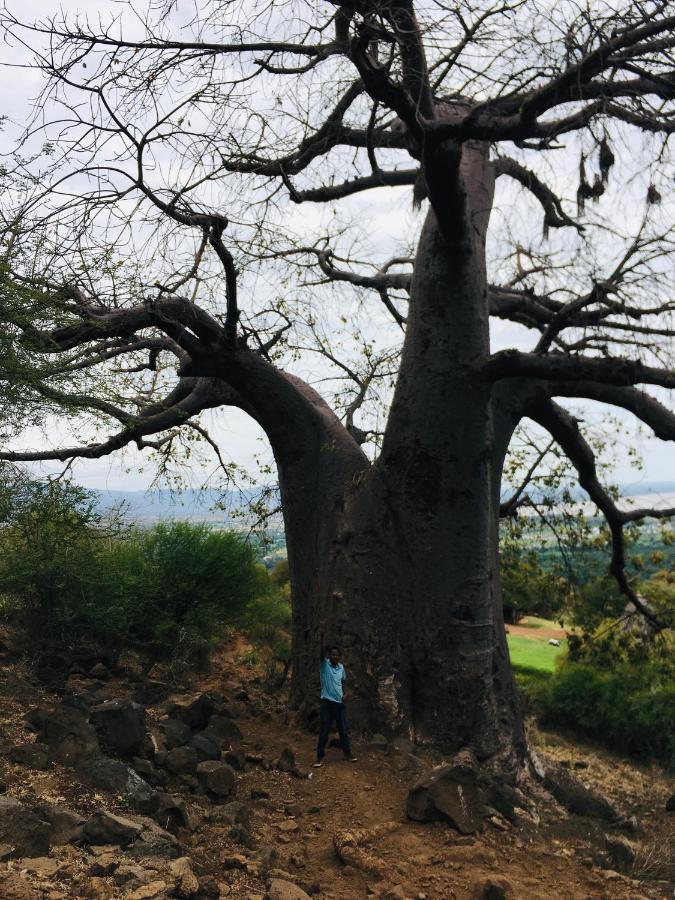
{"x": 68, "y": 579}
{"x": 630, "y": 708}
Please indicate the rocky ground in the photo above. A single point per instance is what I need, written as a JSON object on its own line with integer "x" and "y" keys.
{"x": 120, "y": 787}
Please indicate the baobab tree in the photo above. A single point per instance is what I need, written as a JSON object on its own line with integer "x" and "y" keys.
{"x": 159, "y": 268}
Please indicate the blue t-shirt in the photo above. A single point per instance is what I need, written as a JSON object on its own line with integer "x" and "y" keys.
{"x": 331, "y": 681}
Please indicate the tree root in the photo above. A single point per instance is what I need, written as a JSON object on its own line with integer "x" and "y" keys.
{"x": 348, "y": 846}
{"x": 576, "y": 797}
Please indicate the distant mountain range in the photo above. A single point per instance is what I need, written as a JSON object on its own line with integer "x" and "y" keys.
{"x": 231, "y": 508}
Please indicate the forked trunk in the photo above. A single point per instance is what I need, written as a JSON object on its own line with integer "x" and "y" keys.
{"x": 399, "y": 564}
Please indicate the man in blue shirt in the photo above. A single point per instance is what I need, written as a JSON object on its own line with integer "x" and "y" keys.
{"x": 333, "y": 700}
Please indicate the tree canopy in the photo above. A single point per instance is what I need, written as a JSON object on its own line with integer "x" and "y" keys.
{"x": 196, "y": 210}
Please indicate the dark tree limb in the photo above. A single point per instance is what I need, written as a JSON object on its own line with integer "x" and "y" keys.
{"x": 554, "y": 214}
{"x": 553, "y": 366}
{"x": 564, "y": 428}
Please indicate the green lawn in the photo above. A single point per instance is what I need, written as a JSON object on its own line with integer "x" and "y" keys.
{"x": 533, "y": 652}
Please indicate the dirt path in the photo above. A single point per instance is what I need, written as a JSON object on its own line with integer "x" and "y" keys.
{"x": 298, "y": 821}
{"x": 293, "y": 821}
{"x": 543, "y": 632}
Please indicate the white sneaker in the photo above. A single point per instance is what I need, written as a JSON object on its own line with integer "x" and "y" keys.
{"x": 317, "y": 765}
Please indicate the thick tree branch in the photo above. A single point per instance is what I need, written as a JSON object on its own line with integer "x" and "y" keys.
{"x": 554, "y": 214}
{"x": 553, "y": 366}
{"x": 564, "y": 429}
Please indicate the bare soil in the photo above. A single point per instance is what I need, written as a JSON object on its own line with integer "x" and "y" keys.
{"x": 293, "y": 828}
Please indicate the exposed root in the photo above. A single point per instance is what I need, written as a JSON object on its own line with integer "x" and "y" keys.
{"x": 348, "y": 846}
{"x": 576, "y": 797}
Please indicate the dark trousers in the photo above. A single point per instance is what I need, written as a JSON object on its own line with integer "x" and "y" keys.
{"x": 333, "y": 712}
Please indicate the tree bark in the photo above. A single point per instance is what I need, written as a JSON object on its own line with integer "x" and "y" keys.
{"x": 399, "y": 566}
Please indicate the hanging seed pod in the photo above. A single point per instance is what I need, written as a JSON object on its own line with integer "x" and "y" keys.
{"x": 653, "y": 196}
{"x": 607, "y": 159}
{"x": 584, "y": 191}
{"x": 598, "y": 188}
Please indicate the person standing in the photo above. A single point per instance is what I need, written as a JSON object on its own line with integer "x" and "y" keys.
{"x": 333, "y": 704}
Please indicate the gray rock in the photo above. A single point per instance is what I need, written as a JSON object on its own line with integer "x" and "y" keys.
{"x": 99, "y": 671}
{"x": 33, "y": 756}
{"x": 492, "y": 888}
{"x": 622, "y": 852}
{"x": 236, "y": 758}
{"x": 217, "y": 777}
{"x": 176, "y": 732}
{"x": 193, "y": 709}
{"x": 222, "y": 730}
{"x": 378, "y": 744}
{"x": 147, "y": 770}
{"x": 172, "y": 813}
{"x": 204, "y": 746}
{"x": 449, "y": 793}
{"x": 67, "y": 733}
{"x": 113, "y": 775}
{"x": 182, "y": 760}
{"x": 23, "y": 830}
{"x": 154, "y": 841}
{"x": 233, "y": 813}
{"x": 285, "y": 890}
{"x": 286, "y": 761}
{"x": 106, "y": 828}
{"x": 576, "y": 797}
{"x": 67, "y": 826}
{"x": 120, "y": 726}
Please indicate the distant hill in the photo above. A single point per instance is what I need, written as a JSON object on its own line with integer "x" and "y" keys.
{"x": 231, "y": 507}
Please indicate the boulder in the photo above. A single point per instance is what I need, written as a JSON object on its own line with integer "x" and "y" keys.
{"x": 120, "y": 726}
{"x": 154, "y": 842}
{"x": 284, "y": 890}
{"x": 193, "y": 709}
{"x": 236, "y": 758}
{"x": 148, "y": 771}
{"x": 222, "y": 730}
{"x": 233, "y": 813}
{"x": 14, "y": 887}
{"x": 113, "y": 775}
{"x": 67, "y": 826}
{"x": 576, "y": 797}
{"x": 378, "y": 743}
{"x": 450, "y": 793}
{"x": 621, "y": 851}
{"x": 182, "y": 760}
{"x": 176, "y": 733}
{"x": 187, "y": 883}
{"x": 33, "y": 756}
{"x": 23, "y": 830}
{"x": 99, "y": 671}
{"x": 670, "y": 803}
{"x": 492, "y": 888}
{"x": 217, "y": 777}
{"x": 172, "y": 813}
{"x": 286, "y": 761}
{"x": 67, "y": 733}
{"x": 106, "y": 828}
{"x": 204, "y": 746}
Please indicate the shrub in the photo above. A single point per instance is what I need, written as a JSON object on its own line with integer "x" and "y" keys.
{"x": 630, "y": 708}
{"x": 67, "y": 578}
{"x": 268, "y": 620}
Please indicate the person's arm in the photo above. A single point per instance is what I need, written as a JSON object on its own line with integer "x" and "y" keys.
{"x": 345, "y": 689}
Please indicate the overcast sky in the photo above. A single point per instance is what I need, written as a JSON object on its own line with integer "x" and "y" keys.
{"x": 239, "y": 436}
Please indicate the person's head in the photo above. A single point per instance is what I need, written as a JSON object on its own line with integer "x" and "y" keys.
{"x": 334, "y": 655}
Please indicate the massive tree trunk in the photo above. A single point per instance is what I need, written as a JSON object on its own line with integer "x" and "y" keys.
{"x": 398, "y": 562}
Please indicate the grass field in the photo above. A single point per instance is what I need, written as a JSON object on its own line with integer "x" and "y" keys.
{"x": 532, "y": 652}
